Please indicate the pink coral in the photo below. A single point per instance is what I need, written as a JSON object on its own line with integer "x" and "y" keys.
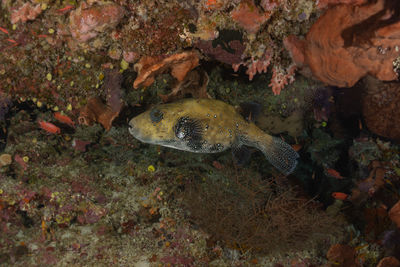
{"x": 281, "y": 78}
{"x": 255, "y": 66}
{"x": 269, "y": 5}
{"x": 86, "y": 22}
{"x": 130, "y": 56}
{"x": 26, "y": 12}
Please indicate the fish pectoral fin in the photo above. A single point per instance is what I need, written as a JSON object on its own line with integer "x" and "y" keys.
{"x": 241, "y": 154}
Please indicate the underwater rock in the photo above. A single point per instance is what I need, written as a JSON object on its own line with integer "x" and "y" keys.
{"x": 381, "y": 107}
{"x": 343, "y": 255}
{"x": 26, "y": 12}
{"x": 5, "y": 159}
{"x": 348, "y": 42}
{"x": 389, "y": 262}
{"x": 178, "y": 64}
{"x": 86, "y": 22}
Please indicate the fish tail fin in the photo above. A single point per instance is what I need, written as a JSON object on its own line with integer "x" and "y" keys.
{"x": 279, "y": 153}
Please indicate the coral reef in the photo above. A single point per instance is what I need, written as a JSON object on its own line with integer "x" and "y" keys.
{"x": 76, "y": 189}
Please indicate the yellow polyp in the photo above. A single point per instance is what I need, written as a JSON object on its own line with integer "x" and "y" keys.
{"x": 151, "y": 168}
{"x": 124, "y": 64}
{"x": 69, "y": 107}
{"x": 39, "y": 104}
{"x": 25, "y": 158}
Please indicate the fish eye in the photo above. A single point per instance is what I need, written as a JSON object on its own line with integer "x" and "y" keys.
{"x": 156, "y": 115}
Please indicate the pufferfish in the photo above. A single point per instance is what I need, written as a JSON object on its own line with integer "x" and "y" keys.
{"x": 208, "y": 126}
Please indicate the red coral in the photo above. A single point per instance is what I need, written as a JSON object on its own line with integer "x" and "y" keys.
{"x": 248, "y": 16}
{"x": 389, "y": 262}
{"x": 348, "y": 42}
{"x": 178, "y": 64}
{"x": 394, "y": 214}
{"x": 325, "y": 3}
{"x": 96, "y": 111}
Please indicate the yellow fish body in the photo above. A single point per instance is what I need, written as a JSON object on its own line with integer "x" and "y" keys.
{"x": 208, "y": 126}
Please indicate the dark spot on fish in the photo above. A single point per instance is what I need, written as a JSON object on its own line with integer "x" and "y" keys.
{"x": 189, "y": 130}
{"x": 194, "y": 144}
{"x": 216, "y": 147}
{"x": 156, "y": 115}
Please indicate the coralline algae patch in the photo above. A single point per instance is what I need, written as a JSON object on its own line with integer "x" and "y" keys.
{"x": 60, "y": 205}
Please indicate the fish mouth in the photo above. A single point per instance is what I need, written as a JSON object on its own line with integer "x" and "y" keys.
{"x": 135, "y": 132}
{"x": 132, "y": 131}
